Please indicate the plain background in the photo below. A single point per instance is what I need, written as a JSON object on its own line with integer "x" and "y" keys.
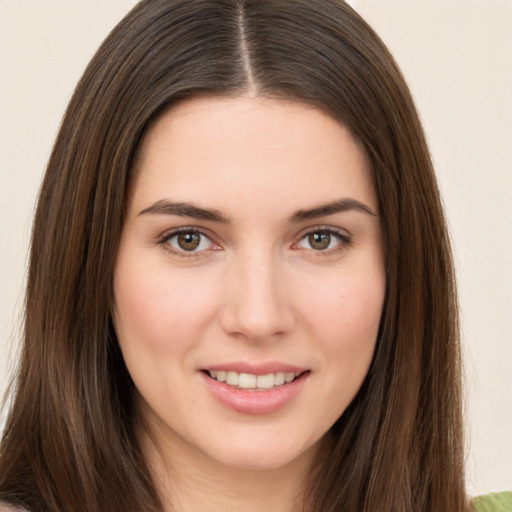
{"x": 457, "y": 58}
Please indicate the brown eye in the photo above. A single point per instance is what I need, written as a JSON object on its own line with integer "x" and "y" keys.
{"x": 319, "y": 241}
{"x": 324, "y": 240}
{"x": 188, "y": 241}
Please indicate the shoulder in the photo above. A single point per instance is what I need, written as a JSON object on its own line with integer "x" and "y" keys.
{"x": 4, "y": 507}
{"x": 496, "y": 502}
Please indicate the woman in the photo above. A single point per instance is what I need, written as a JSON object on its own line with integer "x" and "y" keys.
{"x": 240, "y": 291}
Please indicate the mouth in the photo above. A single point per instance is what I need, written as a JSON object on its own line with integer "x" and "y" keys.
{"x": 255, "y": 389}
{"x": 251, "y": 382}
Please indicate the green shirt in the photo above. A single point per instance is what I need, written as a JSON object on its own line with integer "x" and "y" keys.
{"x": 497, "y": 502}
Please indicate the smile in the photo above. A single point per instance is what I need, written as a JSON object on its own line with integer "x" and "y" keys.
{"x": 253, "y": 382}
{"x": 262, "y": 392}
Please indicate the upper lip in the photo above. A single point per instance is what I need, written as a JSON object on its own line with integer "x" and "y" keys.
{"x": 256, "y": 368}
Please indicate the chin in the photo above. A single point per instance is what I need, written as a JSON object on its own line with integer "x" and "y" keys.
{"x": 265, "y": 456}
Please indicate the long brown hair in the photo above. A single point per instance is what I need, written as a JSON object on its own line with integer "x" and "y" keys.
{"x": 69, "y": 442}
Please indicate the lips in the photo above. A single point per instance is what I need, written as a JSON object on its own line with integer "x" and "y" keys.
{"x": 252, "y": 381}
{"x": 250, "y": 389}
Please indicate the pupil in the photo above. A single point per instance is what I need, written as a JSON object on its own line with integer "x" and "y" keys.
{"x": 319, "y": 241}
{"x": 188, "y": 241}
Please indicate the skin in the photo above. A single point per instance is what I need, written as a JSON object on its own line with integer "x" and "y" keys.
{"x": 256, "y": 290}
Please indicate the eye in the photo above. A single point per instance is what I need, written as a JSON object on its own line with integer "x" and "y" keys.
{"x": 323, "y": 240}
{"x": 188, "y": 241}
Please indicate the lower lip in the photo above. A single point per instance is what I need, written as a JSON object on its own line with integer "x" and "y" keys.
{"x": 254, "y": 401}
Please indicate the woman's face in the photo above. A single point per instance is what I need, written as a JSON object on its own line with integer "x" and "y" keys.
{"x": 250, "y": 278}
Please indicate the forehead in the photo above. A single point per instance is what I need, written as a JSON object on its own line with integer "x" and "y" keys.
{"x": 226, "y": 151}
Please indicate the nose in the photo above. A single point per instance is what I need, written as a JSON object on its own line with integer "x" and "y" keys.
{"x": 257, "y": 303}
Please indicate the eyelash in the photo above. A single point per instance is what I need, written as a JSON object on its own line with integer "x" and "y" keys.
{"x": 344, "y": 241}
{"x": 167, "y": 237}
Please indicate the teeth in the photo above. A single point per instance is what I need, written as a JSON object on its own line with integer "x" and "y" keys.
{"x": 246, "y": 381}
{"x": 279, "y": 379}
{"x": 232, "y": 378}
{"x": 266, "y": 381}
{"x": 249, "y": 381}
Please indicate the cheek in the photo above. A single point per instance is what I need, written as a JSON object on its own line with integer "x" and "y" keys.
{"x": 345, "y": 320}
{"x": 349, "y": 308}
{"x": 159, "y": 310}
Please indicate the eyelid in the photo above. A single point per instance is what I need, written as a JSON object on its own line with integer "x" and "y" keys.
{"x": 326, "y": 228}
{"x": 344, "y": 236}
{"x": 164, "y": 238}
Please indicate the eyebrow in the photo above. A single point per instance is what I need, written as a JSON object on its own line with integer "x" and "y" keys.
{"x": 183, "y": 209}
{"x": 164, "y": 207}
{"x": 339, "y": 206}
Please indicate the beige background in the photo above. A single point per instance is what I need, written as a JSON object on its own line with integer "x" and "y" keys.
{"x": 456, "y": 56}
